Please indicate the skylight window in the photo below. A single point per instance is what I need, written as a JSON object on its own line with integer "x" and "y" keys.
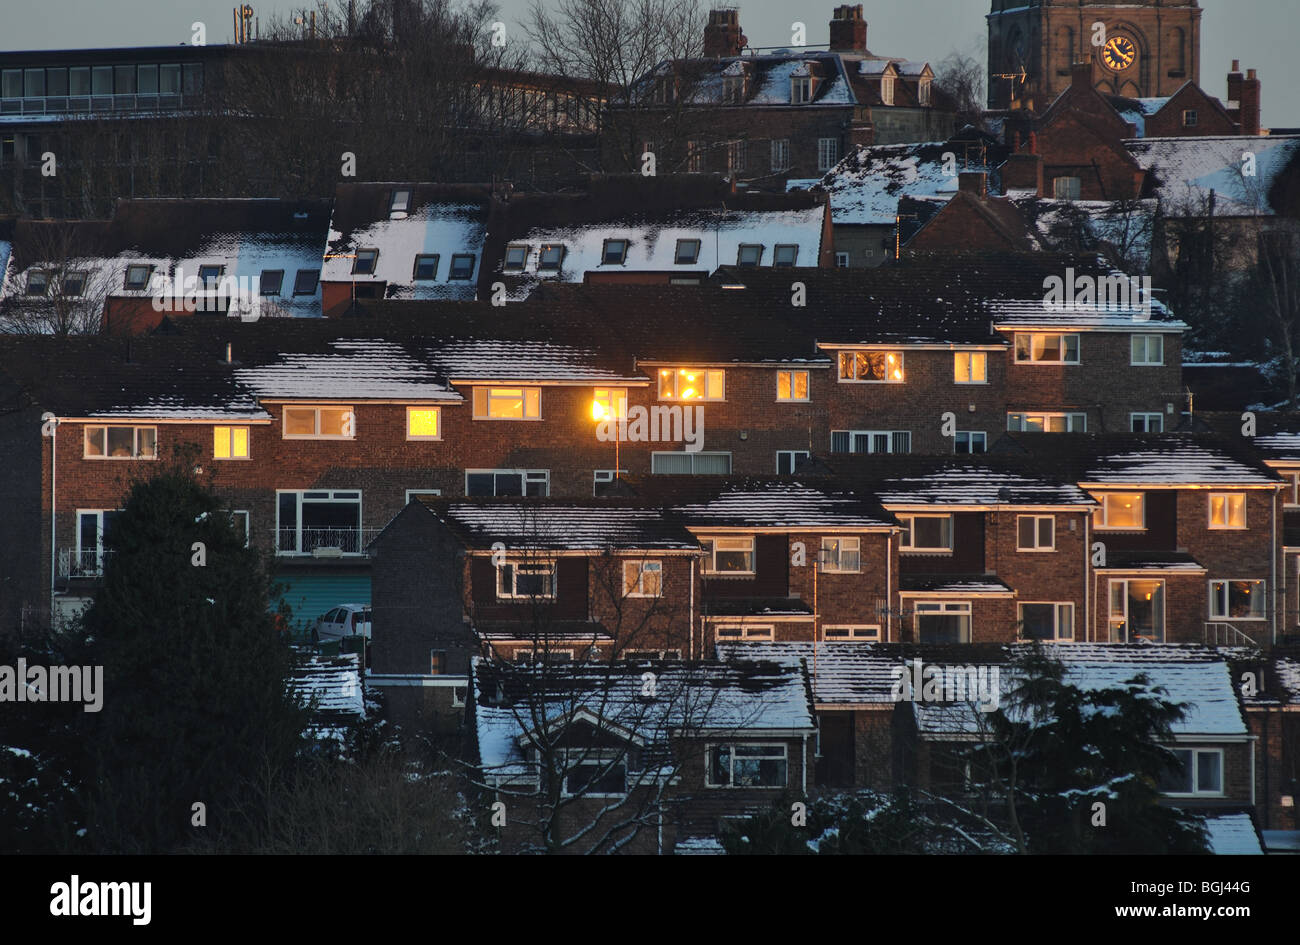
{"x": 750, "y": 254}
{"x": 516, "y": 256}
{"x": 688, "y": 251}
{"x": 208, "y": 275}
{"x": 363, "y": 264}
{"x": 304, "y": 283}
{"x": 137, "y": 275}
{"x": 426, "y": 267}
{"x": 271, "y": 281}
{"x": 551, "y": 257}
{"x": 615, "y": 252}
{"x": 462, "y": 266}
{"x": 74, "y": 284}
{"x": 38, "y": 282}
{"x": 400, "y": 202}
{"x": 784, "y": 256}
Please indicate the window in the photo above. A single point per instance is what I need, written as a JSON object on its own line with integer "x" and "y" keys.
{"x": 101, "y": 80}
{"x": 942, "y": 621}
{"x": 871, "y": 441}
{"x": 852, "y": 634}
{"x": 690, "y": 464}
{"x": 307, "y": 521}
{"x": 749, "y": 254}
{"x": 426, "y": 267}
{"x": 551, "y": 256}
{"x": 437, "y": 662}
{"x": 1227, "y": 510}
{"x": 688, "y": 251}
{"x": 791, "y": 385}
{"x": 780, "y": 154}
{"x": 1035, "y": 533}
{"x": 871, "y": 367}
{"x": 691, "y": 384}
{"x": 923, "y": 92}
{"x": 516, "y": 256}
{"x": 239, "y": 522}
{"x": 970, "y": 367}
{"x": 1146, "y": 422}
{"x": 663, "y": 90}
{"x": 1121, "y": 510}
{"x": 784, "y": 255}
{"x": 532, "y": 579}
{"x": 1137, "y": 611}
{"x": 887, "y": 89}
{"x": 733, "y": 89}
{"x": 728, "y": 555}
{"x": 613, "y": 253}
{"x": 74, "y": 283}
{"x": 841, "y": 555}
{"x": 1148, "y": 350}
{"x": 507, "y": 403}
{"x": 230, "y": 442}
{"x": 137, "y": 276}
{"x": 458, "y": 695}
{"x": 1291, "y": 493}
{"x": 1190, "y": 118}
{"x": 727, "y": 634}
{"x": 1047, "y": 422}
{"x": 93, "y": 526}
{"x": 746, "y": 766}
{"x": 121, "y": 443}
{"x": 422, "y": 423}
{"x": 589, "y": 773}
{"x": 828, "y": 153}
{"x": 1042, "y": 348}
{"x": 1199, "y": 771}
{"x": 1067, "y": 188}
{"x": 512, "y": 482}
{"x": 462, "y": 267}
{"x": 970, "y": 442}
{"x": 801, "y": 89}
{"x": 400, "y": 202}
{"x": 609, "y": 403}
{"x": 926, "y": 532}
{"x": 304, "y": 283}
{"x": 1237, "y": 600}
{"x": 270, "y": 281}
{"x": 602, "y": 477}
{"x": 643, "y": 578}
{"x": 841, "y": 260}
{"x": 788, "y": 460}
{"x": 694, "y": 156}
{"x": 1047, "y": 621}
{"x": 38, "y": 282}
{"x": 364, "y": 262}
{"x": 319, "y": 423}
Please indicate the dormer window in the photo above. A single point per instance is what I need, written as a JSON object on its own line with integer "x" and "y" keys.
{"x": 516, "y": 256}
{"x": 887, "y": 89}
{"x": 733, "y": 89}
{"x": 550, "y": 258}
{"x": 615, "y": 252}
{"x": 663, "y": 90}
{"x": 363, "y": 264}
{"x": 923, "y": 92}
{"x": 137, "y": 276}
{"x": 400, "y": 201}
{"x": 800, "y": 89}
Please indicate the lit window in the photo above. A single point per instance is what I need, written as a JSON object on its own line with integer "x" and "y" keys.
{"x": 691, "y": 384}
{"x": 121, "y": 443}
{"x": 841, "y": 555}
{"x": 426, "y": 267}
{"x": 304, "y": 283}
{"x": 643, "y": 578}
{"x": 926, "y": 532}
{"x": 749, "y": 254}
{"x": 1035, "y": 533}
{"x": 1148, "y": 350}
{"x": 271, "y": 281}
{"x": 791, "y": 385}
{"x": 1040, "y": 348}
{"x": 363, "y": 264}
{"x": 1227, "y": 510}
{"x": 462, "y": 267}
{"x": 551, "y": 256}
{"x": 887, "y": 89}
{"x": 400, "y": 201}
{"x": 422, "y": 423}
{"x": 746, "y": 766}
{"x": 516, "y": 256}
{"x": 526, "y": 579}
{"x": 970, "y": 367}
{"x": 137, "y": 276}
{"x": 319, "y": 423}
{"x": 688, "y": 252}
{"x": 1122, "y": 510}
{"x": 1047, "y": 422}
{"x": 230, "y": 442}
{"x": 1237, "y": 600}
{"x": 507, "y": 403}
{"x": 878, "y": 367}
{"x": 1047, "y": 621}
{"x": 609, "y": 403}
{"x": 728, "y": 555}
{"x": 614, "y": 252}
{"x": 784, "y": 255}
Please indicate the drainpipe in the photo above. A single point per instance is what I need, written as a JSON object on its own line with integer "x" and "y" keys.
{"x": 54, "y": 472}
{"x": 889, "y": 585}
{"x": 1088, "y": 620}
{"x": 1272, "y": 567}
{"x": 690, "y": 654}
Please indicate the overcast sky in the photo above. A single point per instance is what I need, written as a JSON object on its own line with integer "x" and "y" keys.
{"x": 1261, "y": 33}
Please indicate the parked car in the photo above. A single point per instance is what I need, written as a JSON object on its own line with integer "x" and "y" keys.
{"x": 345, "y": 620}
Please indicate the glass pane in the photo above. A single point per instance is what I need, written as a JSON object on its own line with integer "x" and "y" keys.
{"x": 121, "y": 441}
{"x": 124, "y": 80}
{"x": 79, "y": 80}
{"x": 240, "y": 441}
{"x": 169, "y": 79}
{"x": 95, "y": 441}
{"x": 299, "y": 422}
{"x": 333, "y": 421}
{"x": 56, "y": 81}
{"x": 102, "y": 80}
{"x": 147, "y": 441}
{"x": 1208, "y": 772}
{"x": 147, "y": 77}
{"x": 34, "y": 83}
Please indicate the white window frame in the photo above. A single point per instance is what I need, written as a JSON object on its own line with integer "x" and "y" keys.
{"x": 694, "y": 458}
{"x": 736, "y": 632}
{"x": 851, "y": 358}
{"x": 871, "y": 437}
{"x": 791, "y": 377}
{"x": 603, "y": 476}
{"x": 1062, "y": 346}
{"x": 1060, "y": 610}
{"x": 828, "y": 153}
{"x": 670, "y": 384}
{"x": 1224, "y": 585}
{"x": 612, "y": 402}
{"x": 972, "y": 358}
{"x": 944, "y": 608}
{"x": 1291, "y": 497}
{"x": 801, "y": 89}
{"x": 1038, "y": 523}
{"x": 526, "y": 477}
{"x": 780, "y": 148}
{"x": 230, "y": 442}
{"x": 437, "y": 421}
{"x": 887, "y": 89}
{"x": 833, "y": 561}
{"x": 777, "y": 252}
{"x": 412, "y": 493}
{"x": 841, "y": 260}
{"x": 532, "y": 566}
{"x": 694, "y": 257}
{"x": 1075, "y": 421}
{"x": 486, "y": 396}
{"x": 347, "y": 409}
{"x": 135, "y": 441}
{"x": 1147, "y": 422}
{"x": 99, "y": 540}
{"x": 248, "y": 522}
{"x": 1113, "y": 619}
{"x": 637, "y": 588}
{"x": 334, "y": 497}
{"x": 606, "y": 759}
{"x": 1144, "y": 341}
{"x": 851, "y": 633}
{"x": 907, "y": 538}
{"x": 1195, "y": 771}
{"x": 709, "y": 564}
{"x": 731, "y": 784}
{"x": 1067, "y": 187}
{"x": 1229, "y": 499}
{"x": 1102, "y": 515}
{"x": 794, "y": 460}
{"x": 972, "y": 436}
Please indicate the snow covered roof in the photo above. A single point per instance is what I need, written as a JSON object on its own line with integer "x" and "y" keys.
{"x": 1136, "y": 110}
{"x": 1282, "y": 447}
{"x": 975, "y": 484}
{"x": 1122, "y": 229}
{"x": 1174, "y": 461}
{"x": 540, "y": 525}
{"x": 353, "y": 368}
{"x": 1232, "y": 834}
{"x": 335, "y": 685}
{"x": 865, "y": 186}
{"x": 954, "y": 584}
{"x": 522, "y": 360}
{"x": 780, "y": 504}
{"x": 1038, "y": 313}
{"x": 1186, "y": 170}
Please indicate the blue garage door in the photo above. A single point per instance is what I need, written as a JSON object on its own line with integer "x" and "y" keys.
{"x": 310, "y": 595}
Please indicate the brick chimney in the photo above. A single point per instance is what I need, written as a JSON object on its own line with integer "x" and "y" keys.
{"x": 848, "y": 29}
{"x": 722, "y": 37}
{"x": 1250, "y": 103}
{"x": 1023, "y": 171}
{"x": 1234, "y": 86}
{"x": 974, "y": 183}
{"x": 1081, "y": 75}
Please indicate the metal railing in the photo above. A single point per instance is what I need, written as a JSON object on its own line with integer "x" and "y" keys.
{"x": 1218, "y": 633}
{"x": 324, "y": 542}
{"x": 90, "y": 104}
{"x": 83, "y": 563}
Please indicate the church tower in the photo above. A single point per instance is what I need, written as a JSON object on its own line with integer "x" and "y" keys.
{"x": 1137, "y": 48}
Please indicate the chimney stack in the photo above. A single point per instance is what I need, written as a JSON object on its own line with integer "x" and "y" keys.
{"x": 974, "y": 183}
{"x": 722, "y": 36}
{"x": 1081, "y": 75}
{"x": 1250, "y": 104}
{"x": 848, "y": 29}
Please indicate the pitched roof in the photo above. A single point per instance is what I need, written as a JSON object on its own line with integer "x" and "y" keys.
{"x": 1147, "y": 460}
{"x": 524, "y": 524}
{"x": 1187, "y": 170}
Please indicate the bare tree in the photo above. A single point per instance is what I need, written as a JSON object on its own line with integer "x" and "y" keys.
{"x": 57, "y": 287}
{"x": 961, "y": 78}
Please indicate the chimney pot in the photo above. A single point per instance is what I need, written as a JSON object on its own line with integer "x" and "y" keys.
{"x": 1236, "y": 66}
{"x": 1251, "y": 74}
{"x": 848, "y": 29}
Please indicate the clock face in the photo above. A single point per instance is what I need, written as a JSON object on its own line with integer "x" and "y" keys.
{"x": 1119, "y": 53}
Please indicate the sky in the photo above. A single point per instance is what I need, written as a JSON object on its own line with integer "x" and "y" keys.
{"x": 1261, "y": 33}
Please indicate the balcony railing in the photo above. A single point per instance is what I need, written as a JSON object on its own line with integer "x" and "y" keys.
{"x": 84, "y": 563}
{"x": 1218, "y": 633}
{"x": 90, "y": 104}
{"x": 324, "y": 542}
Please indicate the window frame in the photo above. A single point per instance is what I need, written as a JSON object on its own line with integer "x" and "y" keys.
{"x": 824, "y": 564}
{"x": 1126, "y": 618}
{"x": 972, "y": 357}
{"x": 642, "y": 566}
{"x": 99, "y": 549}
{"x": 484, "y": 398}
{"x": 135, "y": 441}
{"x": 1036, "y": 548}
{"x": 1146, "y": 418}
{"x": 677, "y": 372}
{"x": 318, "y": 497}
{"x": 794, "y": 460}
{"x": 709, "y": 564}
{"x": 731, "y": 747}
{"x": 695, "y": 256}
{"x": 348, "y": 410}
{"x": 792, "y": 375}
{"x": 437, "y": 422}
{"x": 827, "y": 146}
{"x": 230, "y": 441}
{"x": 613, "y": 401}
{"x": 870, "y": 436}
{"x": 415, "y": 267}
{"x": 605, "y": 253}
{"x": 411, "y": 493}
{"x": 907, "y": 537}
{"x": 694, "y": 457}
{"x": 262, "y": 287}
{"x": 452, "y": 270}
{"x": 776, "y": 255}
{"x": 1226, "y": 584}
{"x": 1059, "y": 607}
{"x": 779, "y": 149}
{"x": 1063, "y": 347}
{"x": 530, "y": 565}
{"x": 1194, "y": 770}
{"x": 128, "y": 285}
{"x": 546, "y": 250}
{"x": 1068, "y": 416}
{"x": 971, "y": 436}
{"x": 740, "y": 255}
{"x": 313, "y": 274}
{"x": 1227, "y": 507}
{"x": 1146, "y": 338}
{"x": 1102, "y": 515}
{"x": 527, "y": 477}
{"x": 370, "y": 252}
{"x": 404, "y": 193}
{"x": 753, "y": 633}
{"x": 507, "y": 265}
{"x": 853, "y": 635}
{"x": 856, "y": 378}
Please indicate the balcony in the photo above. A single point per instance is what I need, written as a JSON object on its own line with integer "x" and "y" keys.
{"x": 324, "y": 542}
{"x": 94, "y": 104}
{"x": 73, "y": 563}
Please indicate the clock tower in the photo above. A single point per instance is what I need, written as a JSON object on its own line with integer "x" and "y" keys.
{"x": 1138, "y": 48}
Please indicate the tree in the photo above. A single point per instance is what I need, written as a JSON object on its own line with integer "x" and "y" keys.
{"x": 961, "y": 78}
{"x": 196, "y": 705}
{"x": 58, "y": 287}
